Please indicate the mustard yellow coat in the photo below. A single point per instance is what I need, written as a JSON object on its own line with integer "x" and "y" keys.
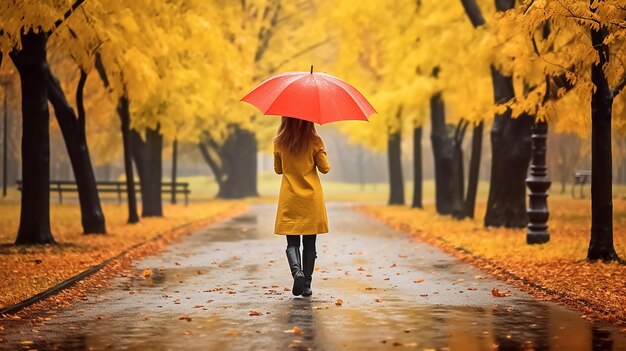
{"x": 301, "y": 208}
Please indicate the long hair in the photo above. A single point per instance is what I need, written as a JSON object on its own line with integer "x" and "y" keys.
{"x": 295, "y": 135}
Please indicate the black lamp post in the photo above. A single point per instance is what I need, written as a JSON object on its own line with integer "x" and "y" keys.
{"x": 538, "y": 183}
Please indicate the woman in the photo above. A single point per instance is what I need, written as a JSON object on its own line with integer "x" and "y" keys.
{"x": 298, "y": 150}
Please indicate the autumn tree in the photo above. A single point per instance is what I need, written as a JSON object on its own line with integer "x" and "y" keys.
{"x": 576, "y": 66}
{"x": 510, "y": 140}
{"x": 73, "y": 127}
{"x": 25, "y": 42}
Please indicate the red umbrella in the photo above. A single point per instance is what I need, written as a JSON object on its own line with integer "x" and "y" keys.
{"x": 315, "y": 97}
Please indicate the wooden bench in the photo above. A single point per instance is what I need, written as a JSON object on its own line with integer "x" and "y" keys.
{"x": 581, "y": 177}
{"x": 68, "y": 186}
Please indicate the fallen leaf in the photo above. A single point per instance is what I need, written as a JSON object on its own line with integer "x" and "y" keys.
{"x": 295, "y": 330}
{"x": 418, "y": 281}
{"x": 255, "y": 313}
{"x": 146, "y": 273}
{"x": 497, "y": 293}
{"x": 339, "y": 302}
{"x": 185, "y": 318}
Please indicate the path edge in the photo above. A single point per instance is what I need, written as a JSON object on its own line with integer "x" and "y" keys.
{"x": 71, "y": 281}
{"x": 590, "y": 311}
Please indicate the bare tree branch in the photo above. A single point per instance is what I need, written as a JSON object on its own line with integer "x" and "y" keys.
{"x": 572, "y": 14}
{"x": 66, "y": 15}
{"x": 297, "y": 54}
{"x": 473, "y": 12}
{"x": 211, "y": 162}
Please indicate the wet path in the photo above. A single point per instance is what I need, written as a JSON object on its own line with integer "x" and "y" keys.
{"x": 227, "y": 287}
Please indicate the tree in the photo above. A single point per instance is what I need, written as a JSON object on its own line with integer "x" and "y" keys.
{"x": 73, "y": 128}
{"x": 123, "y": 111}
{"x": 25, "y": 41}
{"x": 581, "y": 35}
{"x": 260, "y": 38}
{"x": 394, "y": 155}
{"x": 510, "y": 140}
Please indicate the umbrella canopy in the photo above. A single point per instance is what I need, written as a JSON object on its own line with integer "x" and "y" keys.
{"x": 316, "y": 97}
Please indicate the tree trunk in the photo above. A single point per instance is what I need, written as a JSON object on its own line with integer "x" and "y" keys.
{"x": 74, "y": 135}
{"x": 123, "y": 110}
{"x": 174, "y": 170}
{"x": 233, "y": 163}
{"x": 417, "y": 167}
{"x": 457, "y": 178}
{"x": 360, "y": 167}
{"x": 510, "y": 149}
{"x": 474, "y": 170}
{"x": 396, "y": 182}
{"x": 5, "y": 140}
{"x": 601, "y": 243}
{"x": 148, "y": 159}
{"x": 442, "y": 155}
{"x": 32, "y": 65}
{"x": 239, "y": 164}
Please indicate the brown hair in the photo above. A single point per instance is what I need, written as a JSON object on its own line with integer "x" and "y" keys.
{"x": 295, "y": 135}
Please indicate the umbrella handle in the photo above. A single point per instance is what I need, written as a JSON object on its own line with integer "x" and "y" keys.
{"x": 311, "y": 69}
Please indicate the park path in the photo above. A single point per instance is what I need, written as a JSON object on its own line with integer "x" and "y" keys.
{"x": 199, "y": 293}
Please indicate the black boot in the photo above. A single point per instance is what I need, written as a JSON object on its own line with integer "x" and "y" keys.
{"x": 293, "y": 256}
{"x": 308, "y": 261}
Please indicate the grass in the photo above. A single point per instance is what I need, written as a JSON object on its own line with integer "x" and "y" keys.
{"x": 29, "y": 270}
{"x": 203, "y": 187}
{"x": 557, "y": 270}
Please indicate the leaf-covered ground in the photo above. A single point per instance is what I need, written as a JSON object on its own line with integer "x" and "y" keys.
{"x": 554, "y": 271}
{"x": 29, "y": 270}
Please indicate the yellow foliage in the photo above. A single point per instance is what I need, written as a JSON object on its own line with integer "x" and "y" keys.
{"x": 552, "y": 38}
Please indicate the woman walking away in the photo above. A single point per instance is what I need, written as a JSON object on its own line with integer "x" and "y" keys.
{"x": 298, "y": 150}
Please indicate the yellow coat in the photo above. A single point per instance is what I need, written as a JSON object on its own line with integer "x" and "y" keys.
{"x": 301, "y": 208}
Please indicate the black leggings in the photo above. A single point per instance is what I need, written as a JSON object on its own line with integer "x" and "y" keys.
{"x": 308, "y": 241}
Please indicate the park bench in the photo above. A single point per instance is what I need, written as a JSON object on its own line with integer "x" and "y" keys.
{"x": 581, "y": 177}
{"x": 68, "y": 186}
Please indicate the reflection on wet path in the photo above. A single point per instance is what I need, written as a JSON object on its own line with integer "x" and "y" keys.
{"x": 227, "y": 287}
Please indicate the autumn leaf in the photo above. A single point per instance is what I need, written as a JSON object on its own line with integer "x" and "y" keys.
{"x": 185, "y": 318}
{"x": 418, "y": 281}
{"x": 146, "y": 273}
{"x": 339, "y": 302}
{"x": 497, "y": 293}
{"x": 255, "y": 313}
{"x": 295, "y": 330}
